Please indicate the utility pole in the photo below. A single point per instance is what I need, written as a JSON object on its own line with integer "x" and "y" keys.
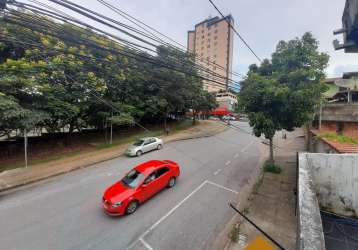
{"x": 25, "y": 145}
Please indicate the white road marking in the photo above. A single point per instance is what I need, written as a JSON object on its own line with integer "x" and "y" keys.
{"x": 222, "y": 187}
{"x": 141, "y": 238}
{"x": 168, "y": 214}
{"x": 217, "y": 171}
{"x": 145, "y": 244}
{"x": 236, "y": 155}
{"x": 227, "y": 163}
{"x": 246, "y": 147}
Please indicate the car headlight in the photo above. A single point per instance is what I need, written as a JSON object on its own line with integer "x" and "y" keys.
{"x": 117, "y": 204}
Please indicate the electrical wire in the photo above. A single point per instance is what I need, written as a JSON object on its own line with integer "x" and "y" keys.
{"x": 217, "y": 76}
{"x": 236, "y": 32}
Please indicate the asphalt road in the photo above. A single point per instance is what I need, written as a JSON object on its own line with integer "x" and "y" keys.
{"x": 65, "y": 212}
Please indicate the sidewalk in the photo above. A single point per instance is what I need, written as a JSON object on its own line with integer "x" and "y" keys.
{"x": 22, "y": 176}
{"x": 272, "y": 204}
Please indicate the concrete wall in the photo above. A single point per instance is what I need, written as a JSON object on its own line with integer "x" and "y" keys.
{"x": 335, "y": 178}
{"x": 310, "y": 232}
{"x": 344, "y": 112}
{"x": 319, "y": 146}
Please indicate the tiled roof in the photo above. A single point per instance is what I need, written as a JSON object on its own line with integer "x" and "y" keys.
{"x": 338, "y": 146}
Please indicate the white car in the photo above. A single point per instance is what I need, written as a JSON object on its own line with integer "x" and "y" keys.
{"x": 144, "y": 145}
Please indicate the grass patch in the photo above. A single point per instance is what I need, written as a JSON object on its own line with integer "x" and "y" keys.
{"x": 338, "y": 138}
{"x": 235, "y": 233}
{"x": 272, "y": 168}
{"x": 117, "y": 141}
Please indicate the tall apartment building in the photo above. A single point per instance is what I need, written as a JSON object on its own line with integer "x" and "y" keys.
{"x": 212, "y": 42}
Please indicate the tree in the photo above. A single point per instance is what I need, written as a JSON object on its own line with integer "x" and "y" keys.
{"x": 77, "y": 79}
{"x": 283, "y": 93}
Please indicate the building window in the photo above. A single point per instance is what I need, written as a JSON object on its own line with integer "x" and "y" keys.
{"x": 214, "y": 68}
{"x": 202, "y": 48}
{"x": 208, "y": 46}
{"x": 216, "y": 31}
{"x": 209, "y": 34}
{"x": 214, "y": 56}
{"x": 215, "y": 43}
{"x": 202, "y": 36}
{"x": 202, "y": 54}
{"x": 216, "y": 25}
{"x": 209, "y": 27}
{"x": 215, "y": 37}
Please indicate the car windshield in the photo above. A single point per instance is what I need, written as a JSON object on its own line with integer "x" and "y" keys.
{"x": 138, "y": 143}
{"x": 132, "y": 179}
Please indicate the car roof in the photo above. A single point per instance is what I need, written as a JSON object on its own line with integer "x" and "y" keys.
{"x": 149, "y": 166}
{"x": 145, "y": 138}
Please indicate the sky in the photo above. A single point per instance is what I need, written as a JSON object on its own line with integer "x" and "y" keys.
{"x": 263, "y": 23}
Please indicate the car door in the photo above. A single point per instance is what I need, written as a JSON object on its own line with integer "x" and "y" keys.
{"x": 146, "y": 145}
{"x": 147, "y": 188}
{"x": 162, "y": 177}
{"x": 153, "y": 143}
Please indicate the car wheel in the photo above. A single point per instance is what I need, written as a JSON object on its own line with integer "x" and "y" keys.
{"x": 132, "y": 207}
{"x": 159, "y": 147}
{"x": 171, "y": 182}
{"x": 139, "y": 153}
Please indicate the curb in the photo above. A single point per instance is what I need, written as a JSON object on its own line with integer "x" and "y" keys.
{"x": 8, "y": 188}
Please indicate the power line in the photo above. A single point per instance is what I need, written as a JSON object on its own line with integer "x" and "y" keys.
{"x": 237, "y": 33}
{"x": 215, "y": 75}
{"x": 125, "y": 53}
{"x": 141, "y": 24}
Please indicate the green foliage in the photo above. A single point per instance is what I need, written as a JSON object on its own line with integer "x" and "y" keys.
{"x": 272, "y": 168}
{"x": 86, "y": 81}
{"x": 338, "y": 138}
{"x": 283, "y": 93}
{"x": 235, "y": 233}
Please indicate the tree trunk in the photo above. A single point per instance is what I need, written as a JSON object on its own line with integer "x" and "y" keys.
{"x": 194, "y": 118}
{"x": 271, "y": 150}
{"x": 165, "y": 122}
{"x": 308, "y": 141}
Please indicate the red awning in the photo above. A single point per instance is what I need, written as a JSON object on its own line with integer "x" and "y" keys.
{"x": 220, "y": 111}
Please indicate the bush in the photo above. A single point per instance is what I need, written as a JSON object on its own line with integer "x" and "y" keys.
{"x": 272, "y": 168}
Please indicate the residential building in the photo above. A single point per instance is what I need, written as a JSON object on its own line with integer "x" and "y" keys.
{"x": 227, "y": 100}
{"x": 349, "y": 28}
{"x": 212, "y": 42}
{"x": 338, "y": 115}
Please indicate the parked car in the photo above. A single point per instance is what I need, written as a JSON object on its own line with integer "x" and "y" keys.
{"x": 141, "y": 183}
{"x": 144, "y": 145}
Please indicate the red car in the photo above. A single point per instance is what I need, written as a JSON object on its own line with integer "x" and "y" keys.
{"x": 138, "y": 185}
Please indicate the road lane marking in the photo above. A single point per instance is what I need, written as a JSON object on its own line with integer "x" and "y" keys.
{"x": 145, "y": 244}
{"x": 217, "y": 171}
{"x": 222, "y": 187}
{"x": 227, "y": 163}
{"x": 236, "y": 155}
{"x": 246, "y": 147}
{"x": 167, "y": 214}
